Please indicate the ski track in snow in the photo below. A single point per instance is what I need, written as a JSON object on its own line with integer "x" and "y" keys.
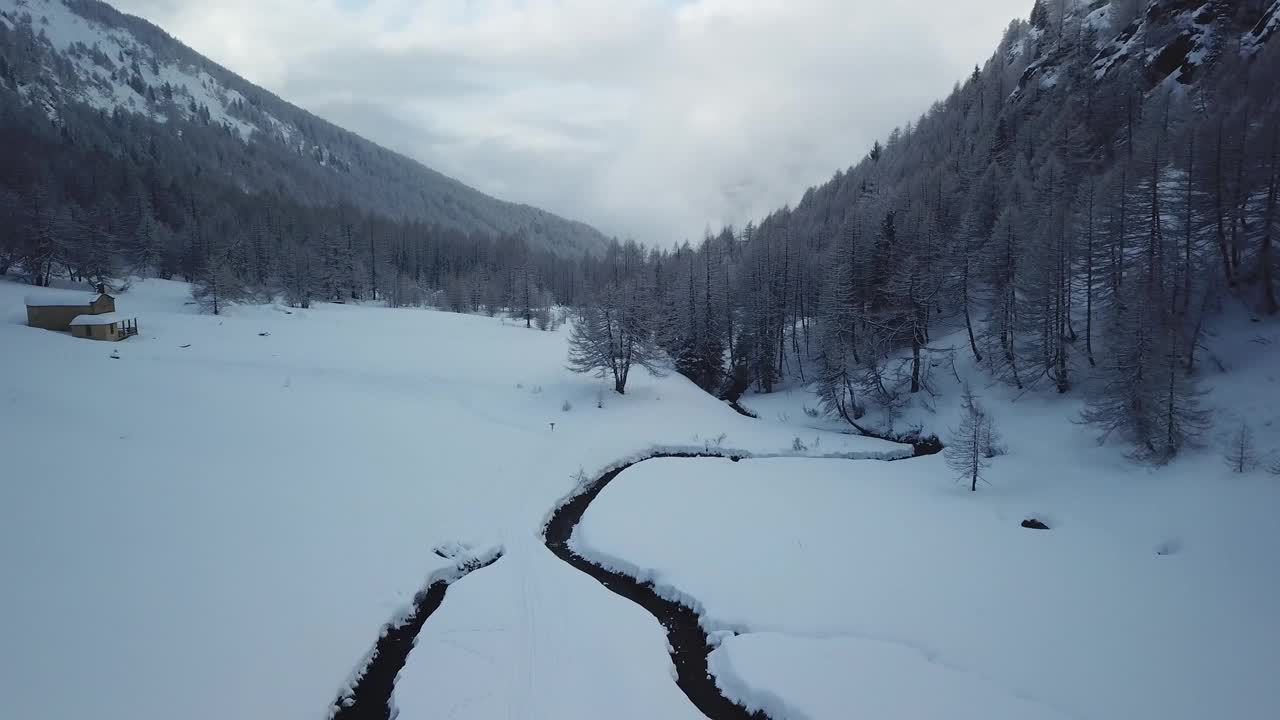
{"x": 928, "y": 654}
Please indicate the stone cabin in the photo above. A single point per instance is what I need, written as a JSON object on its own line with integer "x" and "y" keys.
{"x": 55, "y": 309}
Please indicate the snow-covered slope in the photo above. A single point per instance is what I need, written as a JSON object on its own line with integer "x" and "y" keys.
{"x": 216, "y": 523}
{"x": 109, "y": 65}
{"x": 885, "y": 590}
{"x": 62, "y": 53}
{"x": 1172, "y": 38}
{"x": 1263, "y": 31}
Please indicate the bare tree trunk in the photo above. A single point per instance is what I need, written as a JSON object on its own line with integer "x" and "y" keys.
{"x": 1219, "y": 213}
{"x": 1124, "y": 213}
{"x": 919, "y": 316}
{"x": 968, "y": 322}
{"x": 1186, "y": 249}
{"x": 915, "y": 359}
{"x": 1088, "y": 291}
{"x": 1238, "y": 204}
{"x": 1269, "y": 220}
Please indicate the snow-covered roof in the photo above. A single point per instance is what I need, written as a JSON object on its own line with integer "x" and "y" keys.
{"x": 102, "y": 319}
{"x": 61, "y": 298}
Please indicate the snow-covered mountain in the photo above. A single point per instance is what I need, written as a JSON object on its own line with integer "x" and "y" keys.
{"x": 65, "y": 54}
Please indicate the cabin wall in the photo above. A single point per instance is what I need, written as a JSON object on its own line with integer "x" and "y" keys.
{"x": 59, "y": 317}
{"x": 56, "y": 317}
{"x": 98, "y": 332}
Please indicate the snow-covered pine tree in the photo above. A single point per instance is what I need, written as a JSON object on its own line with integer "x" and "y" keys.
{"x": 839, "y": 314}
{"x": 217, "y": 285}
{"x": 1003, "y": 263}
{"x": 970, "y": 445}
{"x": 1180, "y": 418}
{"x": 146, "y": 248}
{"x": 299, "y": 277}
{"x": 693, "y": 334}
{"x": 1241, "y": 454}
{"x": 964, "y": 251}
{"x": 526, "y": 293}
{"x": 1040, "y": 15}
{"x": 1046, "y": 281}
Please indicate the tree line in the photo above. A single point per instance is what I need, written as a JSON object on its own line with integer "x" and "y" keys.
{"x": 185, "y": 168}
{"x": 97, "y": 197}
{"x": 1070, "y": 224}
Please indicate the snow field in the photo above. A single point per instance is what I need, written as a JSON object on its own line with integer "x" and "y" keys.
{"x": 870, "y": 589}
{"x": 218, "y": 523}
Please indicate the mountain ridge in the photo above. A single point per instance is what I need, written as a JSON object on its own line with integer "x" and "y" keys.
{"x": 108, "y": 60}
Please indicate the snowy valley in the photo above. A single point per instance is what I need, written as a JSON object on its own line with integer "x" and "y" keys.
{"x": 218, "y": 522}
{"x": 986, "y": 426}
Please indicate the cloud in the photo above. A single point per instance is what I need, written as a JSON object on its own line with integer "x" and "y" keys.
{"x": 650, "y": 119}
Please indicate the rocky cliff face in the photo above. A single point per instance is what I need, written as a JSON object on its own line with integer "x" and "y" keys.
{"x": 1174, "y": 39}
{"x": 1169, "y": 40}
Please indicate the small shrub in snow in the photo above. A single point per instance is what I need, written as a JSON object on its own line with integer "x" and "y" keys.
{"x": 1242, "y": 455}
{"x": 566, "y": 407}
{"x": 814, "y": 413}
{"x": 542, "y": 318}
{"x": 537, "y": 390}
{"x": 798, "y": 445}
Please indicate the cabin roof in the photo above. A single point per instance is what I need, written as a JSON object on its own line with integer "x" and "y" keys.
{"x": 100, "y": 319}
{"x": 62, "y": 298}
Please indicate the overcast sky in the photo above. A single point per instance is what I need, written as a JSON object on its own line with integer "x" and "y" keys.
{"x": 649, "y": 119}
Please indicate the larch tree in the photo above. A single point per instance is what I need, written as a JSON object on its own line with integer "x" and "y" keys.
{"x": 613, "y": 333}
{"x": 1241, "y": 454}
{"x": 217, "y": 286}
{"x": 971, "y": 445}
